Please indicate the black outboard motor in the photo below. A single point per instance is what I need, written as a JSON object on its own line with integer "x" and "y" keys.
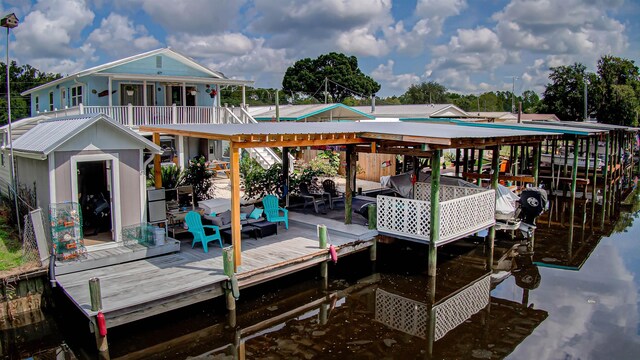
{"x": 533, "y": 202}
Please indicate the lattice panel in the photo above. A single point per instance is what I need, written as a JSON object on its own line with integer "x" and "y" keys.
{"x": 400, "y": 313}
{"x": 460, "y": 307}
{"x": 466, "y": 214}
{"x": 404, "y": 217}
{"x": 447, "y": 192}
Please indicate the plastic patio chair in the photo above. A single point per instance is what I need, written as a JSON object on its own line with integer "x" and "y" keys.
{"x": 272, "y": 210}
{"x": 194, "y": 222}
{"x": 335, "y": 195}
{"x": 310, "y": 198}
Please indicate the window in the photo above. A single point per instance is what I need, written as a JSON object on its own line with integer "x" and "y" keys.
{"x": 37, "y": 104}
{"x": 51, "y": 108}
{"x": 76, "y": 95}
{"x": 63, "y": 98}
{"x": 159, "y": 62}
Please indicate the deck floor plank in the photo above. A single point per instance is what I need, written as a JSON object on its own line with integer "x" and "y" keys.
{"x": 131, "y": 287}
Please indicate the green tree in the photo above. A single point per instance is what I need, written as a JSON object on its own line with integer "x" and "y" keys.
{"x": 620, "y": 91}
{"x": 530, "y": 102}
{"x": 344, "y": 78}
{"x": 564, "y": 96}
{"x": 21, "y": 78}
{"x": 425, "y": 93}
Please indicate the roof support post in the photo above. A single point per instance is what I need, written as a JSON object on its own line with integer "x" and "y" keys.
{"x": 157, "y": 172}
{"x": 234, "y": 159}
{"x": 109, "y": 88}
{"x": 144, "y": 93}
{"x": 480, "y": 157}
{"x": 285, "y": 175}
{"x": 574, "y": 178}
{"x": 457, "y": 162}
{"x": 537, "y": 149}
{"x": 434, "y": 234}
{"x": 594, "y": 189}
{"x": 586, "y": 161}
{"x": 495, "y": 173}
{"x": 244, "y": 97}
{"x": 351, "y": 174}
{"x": 606, "y": 180}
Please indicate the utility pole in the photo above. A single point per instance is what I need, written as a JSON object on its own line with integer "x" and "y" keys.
{"x": 585, "y": 99}
{"x": 325, "y": 89}
{"x": 513, "y": 93}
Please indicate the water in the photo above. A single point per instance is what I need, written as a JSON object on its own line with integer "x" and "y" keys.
{"x": 570, "y": 299}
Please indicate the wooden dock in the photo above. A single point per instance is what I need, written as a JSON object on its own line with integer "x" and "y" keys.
{"x": 143, "y": 288}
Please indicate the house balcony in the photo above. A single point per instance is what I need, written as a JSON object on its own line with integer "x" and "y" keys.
{"x": 135, "y": 116}
{"x": 463, "y": 211}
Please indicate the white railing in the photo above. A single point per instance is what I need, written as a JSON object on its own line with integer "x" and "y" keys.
{"x": 60, "y": 113}
{"x": 463, "y": 211}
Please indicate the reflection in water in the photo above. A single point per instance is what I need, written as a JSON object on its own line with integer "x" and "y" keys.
{"x": 562, "y": 298}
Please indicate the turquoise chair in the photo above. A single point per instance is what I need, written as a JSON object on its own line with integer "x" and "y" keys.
{"x": 194, "y": 222}
{"x": 272, "y": 210}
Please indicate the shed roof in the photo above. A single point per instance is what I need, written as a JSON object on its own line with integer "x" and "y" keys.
{"x": 587, "y": 124}
{"x": 51, "y": 134}
{"x": 413, "y": 111}
{"x": 549, "y": 128}
{"x": 323, "y": 133}
{"x": 313, "y": 112}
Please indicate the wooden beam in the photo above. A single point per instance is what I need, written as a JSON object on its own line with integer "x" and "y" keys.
{"x": 522, "y": 178}
{"x": 302, "y": 143}
{"x": 157, "y": 171}
{"x": 234, "y": 159}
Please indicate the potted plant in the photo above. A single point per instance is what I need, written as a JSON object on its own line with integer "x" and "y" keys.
{"x": 129, "y": 90}
{"x": 193, "y": 91}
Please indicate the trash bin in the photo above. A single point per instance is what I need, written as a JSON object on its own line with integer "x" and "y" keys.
{"x": 158, "y": 235}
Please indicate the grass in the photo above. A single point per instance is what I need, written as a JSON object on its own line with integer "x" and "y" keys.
{"x": 10, "y": 245}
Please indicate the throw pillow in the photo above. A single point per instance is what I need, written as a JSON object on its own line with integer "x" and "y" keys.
{"x": 247, "y": 209}
{"x": 213, "y": 213}
{"x": 243, "y": 216}
{"x": 256, "y": 213}
{"x": 226, "y": 217}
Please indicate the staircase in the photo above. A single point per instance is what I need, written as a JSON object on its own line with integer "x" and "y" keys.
{"x": 266, "y": 157}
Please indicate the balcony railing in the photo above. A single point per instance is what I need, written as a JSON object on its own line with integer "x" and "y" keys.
{"x": 463, "y": 211}
{"x": 134, "y": 116}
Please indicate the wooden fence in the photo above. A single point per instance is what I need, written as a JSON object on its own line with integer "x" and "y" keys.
{"x": 370, "y": 166}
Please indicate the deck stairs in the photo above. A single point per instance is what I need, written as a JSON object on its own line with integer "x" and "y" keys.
{"x": 266, "y": 157}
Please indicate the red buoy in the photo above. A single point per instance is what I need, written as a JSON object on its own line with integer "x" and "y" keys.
{"x": 102, "y": 324}
{"x": 334, "y": 254}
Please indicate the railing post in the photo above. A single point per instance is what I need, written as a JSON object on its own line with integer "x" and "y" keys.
{"x": 81, "y": 108}
{"x": 434, "y": 234}
{"x": 174, "y": 114}
{"x": 130, "y": 115}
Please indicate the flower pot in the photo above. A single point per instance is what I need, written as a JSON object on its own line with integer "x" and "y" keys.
{"x": 130, "y": 92}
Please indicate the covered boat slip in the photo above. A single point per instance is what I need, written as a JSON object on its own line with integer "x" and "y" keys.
{"x": 457, "y": 211}
{"x": 143, "y": 288}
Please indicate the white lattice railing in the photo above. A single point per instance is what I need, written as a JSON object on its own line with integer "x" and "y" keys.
{"x": 412, "y": 317}
{"x": 458, "y": 308}
{"x": 463, "y": 211}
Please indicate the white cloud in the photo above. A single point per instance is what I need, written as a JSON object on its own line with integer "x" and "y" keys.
{"x": 437, "y": 11}
{"x": 194, "y": 16}
{"x": 390, "y": 81}
{"x": 361, "y": 42}
{"x": 408, "y": 42}
{"x": 119, "y": 37}
{"x": 214, "y": 44}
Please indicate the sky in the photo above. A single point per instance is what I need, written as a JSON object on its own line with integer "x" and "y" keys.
{"x": 469, "y": 46}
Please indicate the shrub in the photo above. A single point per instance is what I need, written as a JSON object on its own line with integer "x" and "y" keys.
{"x": 172, "y": 176}
{"x": 197, "y": 175}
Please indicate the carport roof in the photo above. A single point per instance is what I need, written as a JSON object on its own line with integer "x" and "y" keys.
{"x": 326, "y": 133}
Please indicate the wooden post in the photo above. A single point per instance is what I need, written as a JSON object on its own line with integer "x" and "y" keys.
{"x": 285, "y": 174}
{"x": 234, "y": 158}
{"x": 594, "y": 179}
{"x": 157, "y": 171}
{"x": 574, "y": 178}
{"x": 94, "y": 294}
{"x": 473, "y": 160}
{"x": 465, "y": 164}
{"x": 515, "y": 160}
{"x": 480, "y": 157}
{"x": 351, "y": 174}
{"x": 537, "y": 149}
{"x": 457, "y": 162}
{"x": 229, "y": 271}
{"x": 324, "y": 269}
{"x": 373, "y": 216}
{"x": 434, "y": 234}
{"x": 566, "y": 157}
{"x": 373, "y": 250}
{"x": 495, "y": 172}
{"x": 606, "y": 181}
{"x": 96, "y": 305}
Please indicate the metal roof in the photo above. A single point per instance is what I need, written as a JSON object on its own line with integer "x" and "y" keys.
{"x": 550, "y": 128}
{"x": 49, "y": 135}
{"x": 313, "y": 112}
{"x": 440, "y": 134}
{"x": 412, "y": 110}
{"x": 587, "y": 124}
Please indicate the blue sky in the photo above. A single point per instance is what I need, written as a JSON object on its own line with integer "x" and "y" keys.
{"x": 468, "y": 46}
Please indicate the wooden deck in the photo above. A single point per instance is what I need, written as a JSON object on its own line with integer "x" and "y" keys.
{"x": 144, "y": 288}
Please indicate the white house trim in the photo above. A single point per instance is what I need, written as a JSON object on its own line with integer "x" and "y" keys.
{"x": 115, "y": 181}
{"x": 52, "y": 178}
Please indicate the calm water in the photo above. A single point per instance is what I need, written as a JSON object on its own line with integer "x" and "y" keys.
{"x": 569, "y": 299}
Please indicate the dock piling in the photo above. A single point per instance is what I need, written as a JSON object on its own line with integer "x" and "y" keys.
{"x": 324, "y": 268}
{"x": 96, "y": 305}
{"x": 229, "y": 293}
